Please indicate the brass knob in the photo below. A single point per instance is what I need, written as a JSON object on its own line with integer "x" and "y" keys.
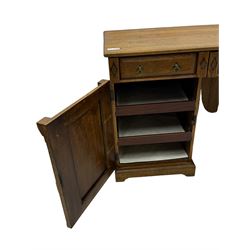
{"x": 139, "y": 69}
{"x": 176, "y": 67}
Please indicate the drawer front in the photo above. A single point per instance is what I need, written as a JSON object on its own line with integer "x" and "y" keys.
{"x": 157, "y": 66}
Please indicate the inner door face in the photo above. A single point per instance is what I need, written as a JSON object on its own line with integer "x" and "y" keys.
{"x": 81, "y": 148}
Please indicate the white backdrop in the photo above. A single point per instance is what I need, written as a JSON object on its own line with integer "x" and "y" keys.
{"x": 50, "y": 55}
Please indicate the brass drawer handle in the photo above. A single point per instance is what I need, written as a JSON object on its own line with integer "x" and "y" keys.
{"x": 139, "y": 69}
{"x": 176, "y": 67}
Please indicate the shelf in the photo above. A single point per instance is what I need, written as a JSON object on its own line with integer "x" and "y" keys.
{"x": 149, "y": 125}
{"x": 152, "y": 152}
{"x": 155, "y": 97}
{"x": 155, "y": 108}
{"x": 148, "y": 93}
{"x": 148, "y": 129}
{"x": 150, "y": 139}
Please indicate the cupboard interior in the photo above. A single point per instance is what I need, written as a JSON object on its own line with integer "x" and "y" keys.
{"x": 139, "y": 125}
{"x": 178, "y": 90}
{"x": 168, "y": 135}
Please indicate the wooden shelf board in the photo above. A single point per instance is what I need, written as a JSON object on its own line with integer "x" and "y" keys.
{"x": 149, "y": 125}
{"x": 152, "y": 152}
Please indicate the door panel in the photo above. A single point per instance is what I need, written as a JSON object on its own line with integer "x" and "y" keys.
{"x": 87, "y": 148}
{"x": 81, "y": 153}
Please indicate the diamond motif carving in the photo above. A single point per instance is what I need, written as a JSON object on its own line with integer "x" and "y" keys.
{"x": 213, "y": 63}
{"x": 113, "y": 69}
{"x": 203, "y": 63}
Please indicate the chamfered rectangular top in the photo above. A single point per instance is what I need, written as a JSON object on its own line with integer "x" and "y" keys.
{"x": 161, "y": 40}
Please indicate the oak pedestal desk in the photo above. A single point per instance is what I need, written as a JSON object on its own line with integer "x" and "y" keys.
{"x": 141, "y": 122}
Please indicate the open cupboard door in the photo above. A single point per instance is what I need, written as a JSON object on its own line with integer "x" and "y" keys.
{"x": 81, "y": 147}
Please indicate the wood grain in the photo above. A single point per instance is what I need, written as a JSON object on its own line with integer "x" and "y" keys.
{"x": 210, "y": 94}
{"x": 155, "y": 108}
{"x": 161, "y": 40}
{"x": 165, "y": 168}
{"x": 150, "y": 139}
{"x": 194, "y": 118}
{"x": 202, "y": 64}
{"x": 213, "y": 67}
{"x": 80, "y": 149}
{"x": 171, "y": 77}
{"x": 114, "y": 70}
{"x": 82, "y": 140}
{"x": 157, "y": 66}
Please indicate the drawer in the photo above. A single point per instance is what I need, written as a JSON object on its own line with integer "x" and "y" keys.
{"x": 157, "y": 66}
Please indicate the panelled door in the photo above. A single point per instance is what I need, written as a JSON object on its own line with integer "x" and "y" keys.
{"x": 81, "y": 147}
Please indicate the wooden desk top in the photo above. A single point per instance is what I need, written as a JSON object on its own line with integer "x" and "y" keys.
{"x": 161, "y": 40}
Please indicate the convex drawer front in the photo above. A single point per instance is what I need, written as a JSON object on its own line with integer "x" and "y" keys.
{"x": 157, "y": 66}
